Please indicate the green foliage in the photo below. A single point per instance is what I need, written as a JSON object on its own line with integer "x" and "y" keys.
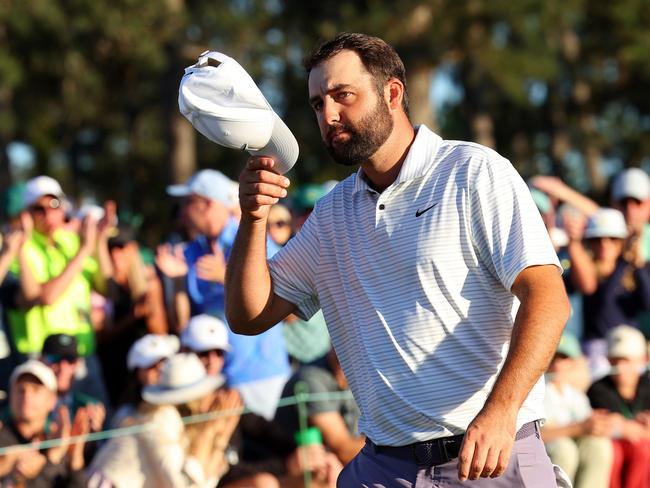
{"x": 91, "y": 84}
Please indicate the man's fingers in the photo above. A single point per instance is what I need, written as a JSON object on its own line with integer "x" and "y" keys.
{"x": 490, "y": 463}
{"x": 465, "y": 458}
{"x": 478, "y": 461}
{"x": 260, "y": 162}
{"x": 502, "y": 463}
{"x": 265, "y": 189}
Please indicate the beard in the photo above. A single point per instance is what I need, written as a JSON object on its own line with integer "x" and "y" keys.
{"x": 364, "y": 138}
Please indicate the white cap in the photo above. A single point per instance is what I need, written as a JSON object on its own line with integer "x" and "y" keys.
{"x": 92, "y": 210}
{"x": 205, "y": 333}
{"x": 148, "y": 350}
{"x": 41, "y": 371}
{"x": 208, "y": 183}
{"x": 183, "y": 378}
{"x": 40, "y": 186}
{"x": 631, "y": 183}
{"x": 626, "y": 342}
{"x": 224, "y": 104}
{"x": 606, "y": 222}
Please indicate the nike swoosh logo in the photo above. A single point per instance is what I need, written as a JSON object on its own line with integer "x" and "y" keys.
{"x": 420, "y": 212}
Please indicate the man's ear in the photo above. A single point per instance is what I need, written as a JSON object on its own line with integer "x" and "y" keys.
{"x": 394, "y": 92}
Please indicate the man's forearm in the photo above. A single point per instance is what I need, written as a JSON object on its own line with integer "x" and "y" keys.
{"x": 537, "y": 329}
{"x": 248, "y": 282}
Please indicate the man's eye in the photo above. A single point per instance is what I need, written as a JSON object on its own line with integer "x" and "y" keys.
{"x": 317, "y": 106}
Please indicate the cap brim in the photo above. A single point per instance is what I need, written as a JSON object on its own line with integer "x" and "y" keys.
{"x": 159, "y": 395}
{"x": 282, "y": 147}
{"x": 178, "y": 190}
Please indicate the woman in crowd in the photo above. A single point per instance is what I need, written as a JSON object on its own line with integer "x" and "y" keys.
{"x": 615, "y": 290}
{"x": 171, "y": 454}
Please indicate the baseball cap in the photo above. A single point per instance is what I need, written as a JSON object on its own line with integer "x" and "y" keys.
{"x": 224, "y": 104}
{"x": 41, "y": 371}
{"x": 208, "y": 183}
{"x": 58, "y": 346}
{"x": 625, "y": 341}
{"x": 631, "y": 183}
{"x": 148, "y": 350}
{"x": 39, "y": 186}
{"x": 606, "y": 222}
{"x": 204, "y": 333}
{"x": 569, "y": 346}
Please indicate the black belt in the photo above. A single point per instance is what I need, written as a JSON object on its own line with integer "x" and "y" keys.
{"x": 439, "y": 451}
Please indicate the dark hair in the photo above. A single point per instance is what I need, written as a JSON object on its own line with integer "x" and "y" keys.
{"x": 378, "y": 57}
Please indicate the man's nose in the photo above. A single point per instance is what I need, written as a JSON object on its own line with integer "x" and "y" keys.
{"x": 331, "y": 112}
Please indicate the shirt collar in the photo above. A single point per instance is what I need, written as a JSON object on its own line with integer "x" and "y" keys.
{"x": 418, "y": 160}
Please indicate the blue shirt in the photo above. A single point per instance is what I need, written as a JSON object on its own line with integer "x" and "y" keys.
{"x": 251, "y": 358}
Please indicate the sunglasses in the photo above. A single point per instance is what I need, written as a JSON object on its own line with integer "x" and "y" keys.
{"x": 53, "y": 204}
{"x": 56, "y": 358}
{"x": 280, "y": 223}
{"x": 205, "y": 354}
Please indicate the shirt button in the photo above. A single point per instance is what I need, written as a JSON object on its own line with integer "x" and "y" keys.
{"x": 382, "y": 206}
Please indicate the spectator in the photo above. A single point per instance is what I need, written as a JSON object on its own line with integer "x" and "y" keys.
{"x": 258, "y": 366}
{"x": 279, "y": 224}
{"x": 626, "y": 393}
{"x": 576, "y": 437}
{"x": 57, "y": 270}
{"x": 61, "y": 355}
{"x": 171, "y": 455}
{"x": 615, "y": 290}
{"x": 138, "y": 308}
{"x": 11, "y": 243}
{"x": 32, "y": 397}
{"x": 207, "y": 337}
{"x": 144, "y": 362}
{"x": 336, "y": 418}
{"x": 631, "y": 195}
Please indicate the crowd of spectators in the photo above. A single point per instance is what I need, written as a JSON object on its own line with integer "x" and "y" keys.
{"x": 99, "y": 333}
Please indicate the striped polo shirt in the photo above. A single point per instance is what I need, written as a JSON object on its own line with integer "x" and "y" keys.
{"x": 414, "y": 283}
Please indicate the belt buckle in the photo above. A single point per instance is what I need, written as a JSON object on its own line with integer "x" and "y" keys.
{"x": 427, "y": 458}
{"x": 444, "y": 452}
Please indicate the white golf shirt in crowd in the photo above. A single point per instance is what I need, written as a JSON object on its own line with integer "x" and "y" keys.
{"x": 414, "y": 283}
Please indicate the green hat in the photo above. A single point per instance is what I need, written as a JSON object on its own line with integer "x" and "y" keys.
{"x": 541, "y": 199}
{"x": 569, "y": 346}
{"x": 307, "y": 195}
{"x": 12, "y": 202}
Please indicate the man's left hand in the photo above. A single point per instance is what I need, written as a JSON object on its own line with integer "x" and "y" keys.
{"x": 487, "y": 445}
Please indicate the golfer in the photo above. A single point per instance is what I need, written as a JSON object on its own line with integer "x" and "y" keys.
{"x": 436, "y": 276}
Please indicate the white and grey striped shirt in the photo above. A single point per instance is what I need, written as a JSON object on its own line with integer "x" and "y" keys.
{"x": 414, "y": 283}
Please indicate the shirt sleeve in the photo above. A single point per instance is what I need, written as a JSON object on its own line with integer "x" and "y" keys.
{"x": 506, "y": 226}
{"x": 294, "y": 269}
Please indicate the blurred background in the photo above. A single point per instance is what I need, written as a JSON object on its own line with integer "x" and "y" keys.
{"x": 88, "y": 88}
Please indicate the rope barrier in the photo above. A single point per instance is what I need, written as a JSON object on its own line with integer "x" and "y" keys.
{"x": 300, "y": 398}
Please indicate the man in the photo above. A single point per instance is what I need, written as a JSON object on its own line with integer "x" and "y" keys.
{"x": 626, "y": 394}
{"x": 419, "y": 262}
{"x": 257, "y": 367}
{"x": 576, "y": 437}
{"x": 60, "y": 353}
{"x": 32, "y": 397}
{"x": 337, "y": 417}
{"x": 57, "y": 270}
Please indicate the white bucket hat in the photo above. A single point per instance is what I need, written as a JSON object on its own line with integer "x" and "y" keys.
{"x": 183, "y": 378}
{"x": 148, "y": 350}
{"x": 224, "y": 104}
{"x": 204, "y": 333}
{"x": 606, "y": 222}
